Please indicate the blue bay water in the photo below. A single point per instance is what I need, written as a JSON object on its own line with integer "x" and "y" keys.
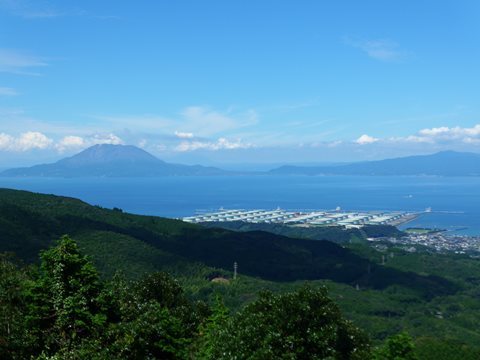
{"x": 455, "y": 202}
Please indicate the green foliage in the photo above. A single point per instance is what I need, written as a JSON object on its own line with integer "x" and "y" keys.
{"x": 424, "y": 293}
{"x": 398, "y": 347}
{"x": 65, "y": 311}
{"x": 376, "y": 231}
{"x": 13, "y": 330}
{"x": 151, "y": 332}
{"x": 181, "y": 244}
{"x": 73, "y": 314}
{"x": 336, "y": 234}
{"x": 211, "y": 329}
{"x": 435, "y": 349}
{"x": 304, "y": 324}
{"x": 66, "y": 302}
{"x": 161, "y": 288}
{"x": 152, "y": 319}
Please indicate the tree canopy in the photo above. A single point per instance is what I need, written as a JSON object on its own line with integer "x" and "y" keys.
{"x": 63, "y": 309}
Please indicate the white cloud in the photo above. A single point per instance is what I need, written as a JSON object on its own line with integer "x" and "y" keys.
{"x": 379, "y": 49}
{"x": 442, "y": 135}
{"x": 419, "y": 139}
{"x": 6, "y": 141}
{"x": 366, "y": 139}
{"x": 105, "y": 139}
{"x": 25, "y": 142}
{"x": 220, "y": 144}
{"x": 70, "y": 142}
{"x": 77, "y": 143}
{"x": 13, "y": 61}
{"x": 32, "y": 140}
{"x": 445, "y": 134}
{"x": 6, "y": 91}
{"x": 183, "y": 135}
{"x": 434, "y": 131}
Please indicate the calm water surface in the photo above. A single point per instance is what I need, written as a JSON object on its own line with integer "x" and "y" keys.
{"x": 455, "y": 201}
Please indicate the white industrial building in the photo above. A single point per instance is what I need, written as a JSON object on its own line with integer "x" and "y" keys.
{"x": 312, "y": 218}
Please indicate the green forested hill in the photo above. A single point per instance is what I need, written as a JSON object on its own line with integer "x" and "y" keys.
{"x": 137, "y": 244}
{"x": 431, "y": 296}
{"x": 335, "y": 234}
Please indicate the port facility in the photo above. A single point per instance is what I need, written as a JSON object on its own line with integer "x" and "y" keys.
{"x": 306, "y": 218}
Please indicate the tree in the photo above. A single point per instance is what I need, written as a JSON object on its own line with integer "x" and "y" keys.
{"x": 211, "y": 329}
{"x": 397, "y": 347}
{"x": 154, "y": 320}
{"x": 14, "y": 339}
{"x": 304, "y": 324}
{"x": 161, "y": 288}
{"x": 65, "y": 299}
{"x": 153, "y": 333}
{"x": 429, "y": 348}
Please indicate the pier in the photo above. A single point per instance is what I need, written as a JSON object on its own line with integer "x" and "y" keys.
{"x": 347, "y": 219}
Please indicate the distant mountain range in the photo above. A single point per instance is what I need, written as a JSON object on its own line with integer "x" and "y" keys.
{"x": 130, "y": 161}
{"x": 112, "y": 161}
{"x": 445, "y": 163}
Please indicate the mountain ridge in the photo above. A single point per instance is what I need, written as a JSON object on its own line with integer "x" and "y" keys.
{"x": 108, "y": 160}
{"x": 444, "y": 163}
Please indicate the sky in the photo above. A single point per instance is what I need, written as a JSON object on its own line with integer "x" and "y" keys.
{"x": 239, "y": 81}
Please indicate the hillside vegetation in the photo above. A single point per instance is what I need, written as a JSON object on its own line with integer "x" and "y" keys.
{"x": 62, "y": 309}
{"x": 30, "y": 221}
{"x": 431, "y": 296}
{"x": 335, "y": 234}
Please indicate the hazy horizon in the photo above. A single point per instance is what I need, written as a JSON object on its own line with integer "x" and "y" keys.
{"x": 240, "y": 166}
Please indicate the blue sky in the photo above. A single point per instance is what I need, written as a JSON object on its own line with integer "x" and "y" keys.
{"x": 232, "y": 82}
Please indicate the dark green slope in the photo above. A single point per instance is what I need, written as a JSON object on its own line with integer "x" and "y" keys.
{"x": 117, "y": 240}
{"x": 335, "y": 234}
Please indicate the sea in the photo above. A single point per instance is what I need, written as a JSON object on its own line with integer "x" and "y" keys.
{"x": 454, "y": 201}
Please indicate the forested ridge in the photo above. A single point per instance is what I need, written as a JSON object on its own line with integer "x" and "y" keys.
{"x": 30, "y": 221}
{"x": 433, "y": 297}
